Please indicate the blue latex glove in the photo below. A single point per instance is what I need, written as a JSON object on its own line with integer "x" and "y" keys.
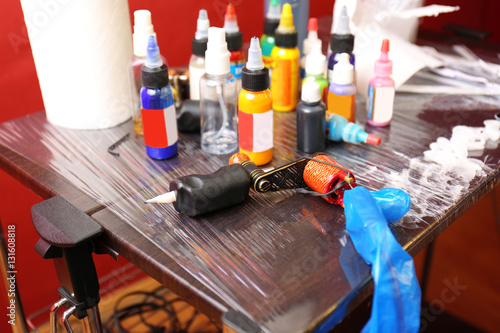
{"x": 396, "y": 298}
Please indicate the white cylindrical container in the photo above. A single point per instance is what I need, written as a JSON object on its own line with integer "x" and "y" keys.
{"x": 82, "y": 51}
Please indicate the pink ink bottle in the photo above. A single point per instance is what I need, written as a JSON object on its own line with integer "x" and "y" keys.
{"x": 381, "y": 90}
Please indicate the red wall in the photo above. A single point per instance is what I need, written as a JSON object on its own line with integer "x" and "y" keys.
{"x": 175, "y": 25}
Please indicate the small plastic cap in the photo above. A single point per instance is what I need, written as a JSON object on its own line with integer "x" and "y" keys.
{"x": 316, "y": 60}
{"x": 343, "y": 71}
{"x": 343, "y": 25}
{"x": 311, "y": 91}
{"x": 286, "y": 21}
{"x": 312, "y": 24}
{"x": 143, "y": 28}
{"x": 255, "y": 61}
{"x": 217, "y": 55}
{"x": 373, "y": 140}
{"x": 230, "y": 21}
{"x": 153, "y": 58}
{"x": 168, "y": 197}
{"x": 383, "y": 66}
{"x": 274, "y": 10}
{"x": 202, "y": 25}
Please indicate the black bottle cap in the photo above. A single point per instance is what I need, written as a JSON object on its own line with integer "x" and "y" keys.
{"x": 270, "y": 26}
{"x": 199, "y": 46}
{"x": 342, "y": 43}
{"x": 154, "y": 78}
{"x": 234, "y": 41}
{"x": 286, "y": 40}
{"x": 255, "y": 80}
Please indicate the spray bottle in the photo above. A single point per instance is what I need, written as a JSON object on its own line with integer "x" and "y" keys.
{"x": 219, "y": 120}
{"x": 255, "y": 113}
{"x": 381, "y": 90}
{"x": 315, "y": 67}
{"x": 197, "y": 61}
{"x": 285, "y": 62}
{"x": 342, "y": 91}
{"x": 158, "y": 110}
{"x": 234, "y": 39}
{"x": 143, "y": 28}
{"x": 309, "y": 43}
{"x": 311, "y": 122}
{"x": 339, "y": 129}
{"x": 342, "y": 41}
{"x": 271, "y": 23}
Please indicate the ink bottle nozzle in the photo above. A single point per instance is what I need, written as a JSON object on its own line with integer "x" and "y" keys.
{"x": 286, "y": 20}
{"x": 217, "y": 54}
{"x": 274, "y": 10}
{"x": 311, "y": 91}
{"x": 342, "y": 41}
{"x": 143, "y": 28}
{"x": 343, "y": 71}
{"x": 383, "y": 66}
{"x": 343, "y": 25}
{"x": 202, "y": 25}
{"x": 312, "y": 36}
{"x": 316, "y": 60}
{"x": 153, "y": 58}
{"x": 230, "y": 21}
{"x": 255, "y": 61}
{"x": 340, "y": 129}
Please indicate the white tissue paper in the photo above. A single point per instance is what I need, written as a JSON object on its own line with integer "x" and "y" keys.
{"x": 82, "y": 51}
{"x": 375, "y": 20}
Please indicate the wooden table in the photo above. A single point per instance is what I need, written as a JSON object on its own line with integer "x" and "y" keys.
{"x": 284, "y": 259}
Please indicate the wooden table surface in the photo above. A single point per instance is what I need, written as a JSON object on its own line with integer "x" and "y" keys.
{"x": 284, "y": 259}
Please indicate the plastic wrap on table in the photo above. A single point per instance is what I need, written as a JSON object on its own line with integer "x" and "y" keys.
{"x": 396, "y": 298}
{"x": 280, "y": 257}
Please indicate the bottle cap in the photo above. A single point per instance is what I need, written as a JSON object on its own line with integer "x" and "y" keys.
{"x": 154, "y": 73}
{"x": 342, "y": 41}
{"x": 272, "y": 20}
{"x": 234, "y": 37}
{"x": 286, "y": 35}
{"x": 254, "y": 76}
{"x": 311, "y": 91}
{"x": 373, "y": 140}
{"x": 199, "y": 42}
{"x": 383, "y": 66}
{"x": 143, "y": 28}
{"x": 343, "y": 71}
{"x": 217, "y": 55}
{"x": 316, "y": 61}
{"x": 312, "y": 36}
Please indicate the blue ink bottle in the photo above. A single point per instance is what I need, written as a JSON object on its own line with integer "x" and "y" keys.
{"x": 158, "y": 110}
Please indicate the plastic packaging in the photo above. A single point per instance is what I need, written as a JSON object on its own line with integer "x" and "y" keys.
{"x": 285, "y": 59}
{"x": 311, "y": 119}
{"x": 219, "y": 120}
{"x": 197, "y": 61}
{"x": 342, "y": 41}
{"x": 255, "y": 113}
{"x": 381, "y": 90}
{"x": 396, "y": 298}
{"x": 158, "y": 110}
{"x": 342, "y": 91}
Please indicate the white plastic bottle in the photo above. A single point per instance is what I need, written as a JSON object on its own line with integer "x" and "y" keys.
{"x": 218, "y": 99}
{"x": 197, "y": 61}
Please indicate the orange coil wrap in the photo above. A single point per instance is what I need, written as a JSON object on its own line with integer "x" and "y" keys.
{"x": 238, "y": 158}
{"x": 323, "y": 178}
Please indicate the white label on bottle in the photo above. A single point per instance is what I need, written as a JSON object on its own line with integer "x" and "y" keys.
{"x": 171, "y": 124}
{"x": 381, "y": 104}
{"x": 195, "y": 75}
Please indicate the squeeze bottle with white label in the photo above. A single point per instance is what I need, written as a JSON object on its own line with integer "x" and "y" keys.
{"x": 381, "y": 90}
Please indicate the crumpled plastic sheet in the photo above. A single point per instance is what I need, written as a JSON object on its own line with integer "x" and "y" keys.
{"x": 397, "y": 295}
